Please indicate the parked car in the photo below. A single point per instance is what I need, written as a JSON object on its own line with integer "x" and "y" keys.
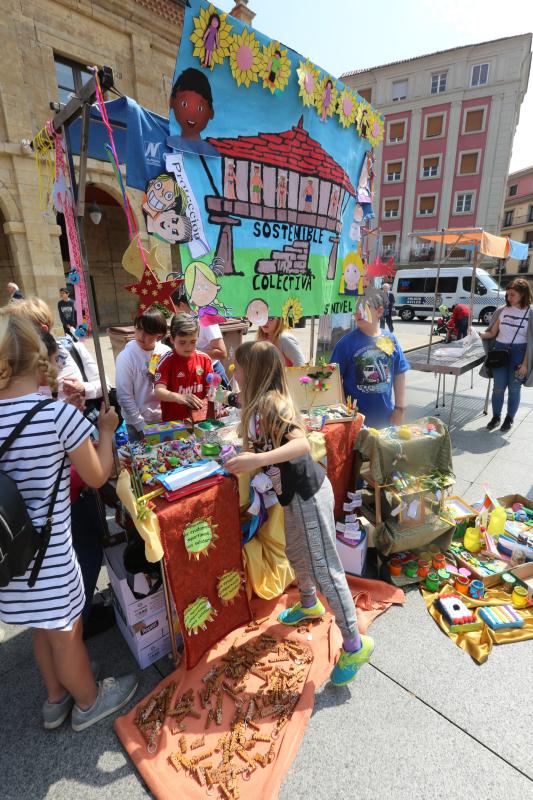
{"x": 414, "y": 290}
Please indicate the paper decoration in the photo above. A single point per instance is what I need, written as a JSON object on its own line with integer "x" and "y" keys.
{"x": 229, "y": 586}
{"x": 308, "y": 78}
{"x": 199, "y": 536}
{"x": 353, "y": 272}
{"x": 276, "y": 67}
{"x": 292, "y": 311}
{"x": 149, "y": 291}
{"x": 211, "y": 36}
{"x": 244, "y": 58}
{"x": 197, "y": 615}
{"x": 386, "y": 344}
{"x": 347, "y": 107}
{"x": 326, "y": 97}
{"x": 257, "y": 312}
{"x": 133, "y": 263}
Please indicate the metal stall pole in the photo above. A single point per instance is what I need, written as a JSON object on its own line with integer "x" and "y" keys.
{"x": 435, "y": 295}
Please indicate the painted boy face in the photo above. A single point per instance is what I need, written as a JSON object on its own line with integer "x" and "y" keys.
{"x": 192, "y": 112}
{"x": 173, "y": 228}
{"x": 159, "y": 196}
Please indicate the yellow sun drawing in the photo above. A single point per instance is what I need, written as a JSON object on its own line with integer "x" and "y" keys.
{"x": 292, "y": 310}
{"x": 347, "y": 107}
{"x": 275, "y": 67}
{"x": 326, "y": 94}
{"x": 211, "y": 37}
{"x": 244, "y": 58}
{"x": 308, "y": 78}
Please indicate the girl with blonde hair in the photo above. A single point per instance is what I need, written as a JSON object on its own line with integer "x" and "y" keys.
{"x": 35, "y": 460}
{"x": 276, "y": 331}
{"x": 274, "y": 438}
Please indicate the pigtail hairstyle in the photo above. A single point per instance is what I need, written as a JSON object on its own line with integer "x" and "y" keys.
{"x": 265, "y": 395}
{"x": 21, "y": 350}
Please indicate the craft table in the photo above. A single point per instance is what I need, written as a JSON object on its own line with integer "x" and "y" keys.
{"x": 418, "y": 359}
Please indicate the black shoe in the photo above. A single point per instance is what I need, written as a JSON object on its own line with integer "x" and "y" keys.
{"x": 101, "y": 619}
{"x": 507, "y": 424}
{"x": 495, "y": 421}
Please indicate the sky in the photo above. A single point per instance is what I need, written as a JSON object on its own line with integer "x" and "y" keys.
{"x": 345, "y": 35}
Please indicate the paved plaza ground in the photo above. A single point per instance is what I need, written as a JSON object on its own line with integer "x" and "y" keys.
{"x": 422, "y": 722}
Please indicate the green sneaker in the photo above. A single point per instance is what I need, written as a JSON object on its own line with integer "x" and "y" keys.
{"x": 297, "y": 613}
{"x": 349, "y": 664}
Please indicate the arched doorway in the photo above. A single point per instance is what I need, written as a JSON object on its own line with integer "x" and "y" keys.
{"x": 106, "y": 241}
{"x": 7, "y": 268}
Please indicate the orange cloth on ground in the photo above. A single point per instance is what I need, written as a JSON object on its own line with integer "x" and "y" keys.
{"x": 479, "y": 644}
{"x": 190, "y": 578}
{"x": 340, "y": 440}
{"x": 161, "y": 777}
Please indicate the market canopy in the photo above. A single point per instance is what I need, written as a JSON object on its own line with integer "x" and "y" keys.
{"x": 488, "y": 243}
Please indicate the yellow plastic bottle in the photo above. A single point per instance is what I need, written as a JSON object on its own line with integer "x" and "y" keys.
{"x": 497, "y": 521}
{"x": 471, "y": 540}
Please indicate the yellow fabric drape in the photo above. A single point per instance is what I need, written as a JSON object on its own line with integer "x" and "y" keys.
{"x": 148, "y": 527}
{"x": 478, "y": 644}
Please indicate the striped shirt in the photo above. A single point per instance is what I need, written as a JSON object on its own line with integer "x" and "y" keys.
{"x": 32, "y": 461}
{"x": 513, "y": 325}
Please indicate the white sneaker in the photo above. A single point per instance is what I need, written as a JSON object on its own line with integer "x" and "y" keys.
{"x": 113, "y": 693}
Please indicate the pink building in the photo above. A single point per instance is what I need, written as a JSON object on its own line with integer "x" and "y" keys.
{"x": 450, "y": 119}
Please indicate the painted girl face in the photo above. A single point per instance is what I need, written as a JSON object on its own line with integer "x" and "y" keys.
{"x": 203, "y": 292}
{"x": 192, "y": 112}
{"x": 160, "y": 195}
{"x": 352, "y": 276}
{"x": 215, "y": 22}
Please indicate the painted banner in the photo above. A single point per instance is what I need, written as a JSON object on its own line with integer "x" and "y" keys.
{"x": 269, "y": 176}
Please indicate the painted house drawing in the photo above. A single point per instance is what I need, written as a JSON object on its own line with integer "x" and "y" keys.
{"x": 283, "y": 177}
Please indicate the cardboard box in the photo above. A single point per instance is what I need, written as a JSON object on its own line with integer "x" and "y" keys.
{"x": 353, "y": 557}
{"x": 148, "y": 640}
{"x": 524, "y": 573}
{"x": 134, "y": 609}
{"x": 304, "y": 396}
{"x": 509, "y": 499}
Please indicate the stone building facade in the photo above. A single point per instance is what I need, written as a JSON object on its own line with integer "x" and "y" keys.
{"x": 45, "y": 47}
{"x": 518, "y": 221}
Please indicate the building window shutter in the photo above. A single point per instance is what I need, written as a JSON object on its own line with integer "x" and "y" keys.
{"x": 474, "y": 121}
{"x": 397, "y": 131}
{"x": 392, "y": 208}
{"x": 366, "y": 94}
{"x": 434, "y": 126}
{"x": 394, "y": 170}
{"x": 468, "y": 164}
{"x": 427, "y": 205}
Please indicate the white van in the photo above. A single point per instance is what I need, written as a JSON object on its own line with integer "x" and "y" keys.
{"x": 414, "y": 290}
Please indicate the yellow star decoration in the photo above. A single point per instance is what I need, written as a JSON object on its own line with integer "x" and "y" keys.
{"x": 245, "y": 58}
{"x": 308, "y": 79}
{"x": 326, "y": 111}
{"x": 347, "y": 107}
{"x": 292, "y": 309}
{"x": 133, "y": 263}
{"x": 221, "y": 49}
{"x": 385, "y": 344}
{"x": 278, "y": 65}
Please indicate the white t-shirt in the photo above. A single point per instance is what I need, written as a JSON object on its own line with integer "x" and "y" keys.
{"x": 135, "y": 385}
{"x": 206, "y": 336}
{"x": 513, "y": 321}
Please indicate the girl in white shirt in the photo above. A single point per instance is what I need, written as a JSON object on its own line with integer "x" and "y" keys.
{"x": 512, "y": 328}
{"x": 135, "y": 379}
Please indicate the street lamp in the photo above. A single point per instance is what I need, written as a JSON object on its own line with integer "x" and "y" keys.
{"x": 95, "y": 213}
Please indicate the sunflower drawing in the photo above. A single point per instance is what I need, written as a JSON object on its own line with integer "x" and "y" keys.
{"x": 291, "y": 311}
{"x": 326, "y": 97}
{"x": 364, "y": 119}
{"x": 375, "y": 135}
{"x": 347, "y": 107}
{"x": 308, "y": 79}
{"x": 275, "y": 67}
{"x": 244, "y": 58}
{"x": 211, "y": 37}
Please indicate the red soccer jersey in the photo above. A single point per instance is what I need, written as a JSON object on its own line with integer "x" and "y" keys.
{"x": 183, "y": 376}
{"x": 460, "y": 311}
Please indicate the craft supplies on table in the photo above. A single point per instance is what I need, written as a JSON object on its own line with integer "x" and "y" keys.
{"x": 484, "y": 568}
{"x": 317, "y": 392}
{"x": 461, "y": 512}
{"x": 523, "y": 574}
{"x": 456, "y": 614}
{"x": 501, "y": 617}
{"x": 160, "y": 432}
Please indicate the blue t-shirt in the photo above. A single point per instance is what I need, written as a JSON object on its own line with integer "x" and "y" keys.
{"x": 368, "y": 373}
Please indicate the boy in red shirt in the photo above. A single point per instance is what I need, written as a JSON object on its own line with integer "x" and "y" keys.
{"x": 181, "y": 375}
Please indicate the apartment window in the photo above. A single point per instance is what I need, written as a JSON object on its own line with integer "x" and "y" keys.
{"x": 480, "y": 75}
{"x": 388, "y": 245}
{"x": 366, "y": 94}
{"x": 393, "y": 171}
{"x": 70, "y": 77}
{"x": 430, "y": 166}
{"x": 392, "y": 208}
{"x": 396, "y": 132}
{"x": 474, "y": 120}
{"x": 508, "y": 218}
{"x": 523, "y": 266}
{"x": 528, "y": 238}
{"x": 399, "y": 90}
{"x": 434, "y": 126}
{"x": 468, "y": 163}
{"x": 438, "y": 82}
{"x": 427, "y": 205}
{"x": 464, "y": 202}
{"x": 513, "y": 190}
{"x": 530, "y": 214}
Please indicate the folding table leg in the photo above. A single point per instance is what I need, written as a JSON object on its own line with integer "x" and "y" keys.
{"x": 438, "y": 392}
{"x": 453, "y": 400}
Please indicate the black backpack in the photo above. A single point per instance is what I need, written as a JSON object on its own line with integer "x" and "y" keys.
{"x": 20, "y": 541}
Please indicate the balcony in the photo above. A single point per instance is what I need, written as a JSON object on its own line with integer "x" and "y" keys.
{"x": 390, "y": 252}
{"x": 518, "y": 220}
{"x": 422, "y": 254}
